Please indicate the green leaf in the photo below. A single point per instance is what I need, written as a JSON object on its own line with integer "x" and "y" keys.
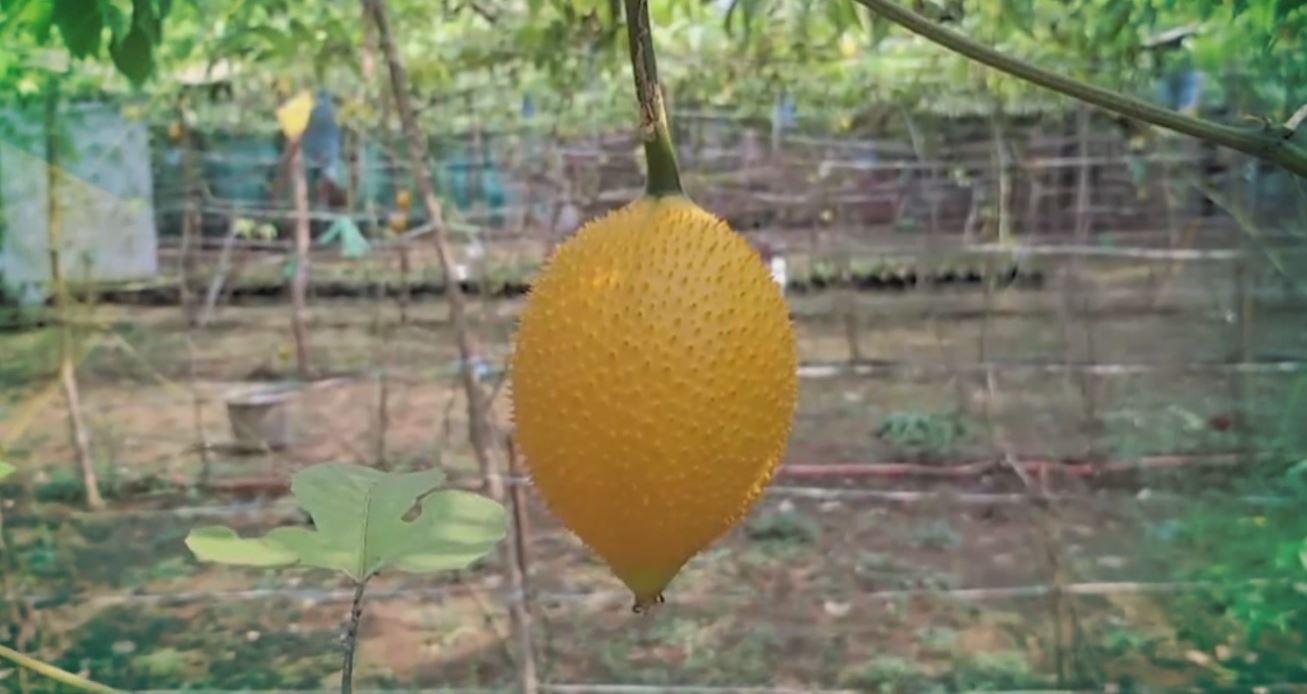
{"x": 6, "y": 469}
{"x": 363, "y": 511}
{"x": 222, "y": 545}
{"x": 117, "y": 16}
{"x": 134, "y": 55}
{"x": 455, "y": 528}
{"x": 35, "y": 16}
{"x": 366, "y": 520}
{"x": 80, "y": 23}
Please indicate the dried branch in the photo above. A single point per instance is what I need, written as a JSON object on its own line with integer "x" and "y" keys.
{"x": 478, "y": 430}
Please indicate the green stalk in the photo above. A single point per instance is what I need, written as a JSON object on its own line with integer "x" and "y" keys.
{"x": 1269, "y": 143}
{"x": 61, "y": 676}
{"x": 663, "y": 177}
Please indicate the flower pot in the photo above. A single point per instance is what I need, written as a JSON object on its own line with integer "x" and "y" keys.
{"x": 261, "y": 416}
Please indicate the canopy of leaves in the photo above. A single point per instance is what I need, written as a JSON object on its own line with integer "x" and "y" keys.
{"x": 366, "y": 520}
{"x": 561, "y": 64}
{"x": 124, "y": 32}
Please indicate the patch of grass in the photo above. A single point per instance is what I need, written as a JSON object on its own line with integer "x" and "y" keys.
{"x": 140, "y": 649}
{"x": 936, "y": 638}
{"x": 60, "y": 486}
{"x": 30, "y": 356}
{"x": 994, "y": 670}
{"x": 888, "y": 673}
{"x": 937, "y": 534}
{"x": 1170, "y": 428}
{"x": 782, "y": 528}
{"x": 883, "y": 572}
{"x": 162, "y": 570}
{"x": 930, "y": 434}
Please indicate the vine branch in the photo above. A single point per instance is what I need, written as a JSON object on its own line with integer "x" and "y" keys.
{"x": 1270, "y": 144}
{"x": 664, "y": 179}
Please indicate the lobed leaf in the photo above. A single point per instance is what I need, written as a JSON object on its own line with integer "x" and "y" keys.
{"x": 366, "y": 520}
{"x": 222, "y": 545}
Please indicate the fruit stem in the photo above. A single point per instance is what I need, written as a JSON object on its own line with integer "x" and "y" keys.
{"x": 660, "y": 156}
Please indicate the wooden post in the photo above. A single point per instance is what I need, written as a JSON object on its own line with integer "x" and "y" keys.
{"x": 197, "y": 413}
{"x": 1242, "y": 348}
{"x": 1003, "y": 205}
{"x": 190, "y": 220}
{"x": 1080, "y": 310}
{"x": 81, "y": 438}
{"x": 383, "y": 417}
{"x": 300, "y": 280}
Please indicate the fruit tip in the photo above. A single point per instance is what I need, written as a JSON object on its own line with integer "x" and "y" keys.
{"x": 645, "y": 605}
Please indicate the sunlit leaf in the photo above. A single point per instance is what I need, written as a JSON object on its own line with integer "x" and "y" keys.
{"x": 6, "y": 469}
{"x": 366, "y": 520}
{"x": 222, "y": 545}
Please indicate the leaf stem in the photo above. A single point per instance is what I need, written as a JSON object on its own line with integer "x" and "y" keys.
{"x": 660, "y": 155}
{"x": 352, "y": 637}
{"x": 1270, "y": 144}
{"x": 61, "y": 676}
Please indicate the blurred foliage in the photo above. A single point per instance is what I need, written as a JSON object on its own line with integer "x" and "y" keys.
{"x": 1254, "y": 554}
{"x": 928, "y": 434}
{"x": 46, "y": 34}
{"x": 508, "y": 63}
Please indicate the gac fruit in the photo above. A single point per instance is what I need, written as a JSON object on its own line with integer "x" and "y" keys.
{"x": 654, "y": 382}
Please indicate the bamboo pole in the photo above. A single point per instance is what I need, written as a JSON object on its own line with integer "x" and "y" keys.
{"x": 81, "y": 438}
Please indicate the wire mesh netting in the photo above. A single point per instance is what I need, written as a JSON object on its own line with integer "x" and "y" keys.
{"x": 1036, "y": 368}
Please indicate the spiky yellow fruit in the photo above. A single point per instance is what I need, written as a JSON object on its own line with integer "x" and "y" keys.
{"x": 654, "y": 381}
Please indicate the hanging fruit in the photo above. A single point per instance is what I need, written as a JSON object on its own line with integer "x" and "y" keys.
{"x": 654, "y": 372}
